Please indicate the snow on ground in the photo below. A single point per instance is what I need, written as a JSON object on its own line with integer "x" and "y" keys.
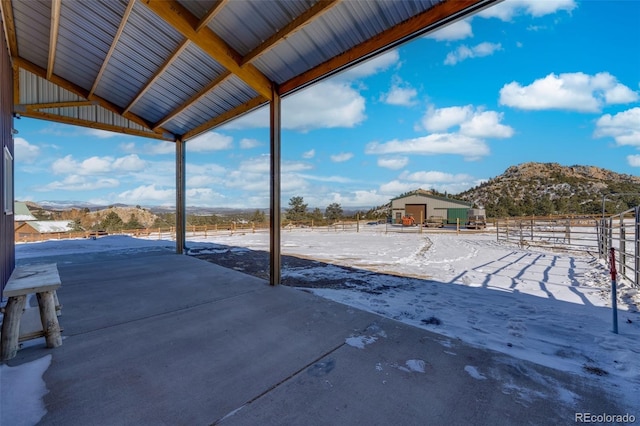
{"x": 21, "y": 391}
{"x": 550, "y": 308}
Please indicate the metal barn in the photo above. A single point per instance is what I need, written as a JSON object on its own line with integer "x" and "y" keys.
{"x": 423, "y": 205}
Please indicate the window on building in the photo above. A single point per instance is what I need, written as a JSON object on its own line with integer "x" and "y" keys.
{"x": 8, "y": 182}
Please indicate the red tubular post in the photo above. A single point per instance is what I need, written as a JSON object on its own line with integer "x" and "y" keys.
{"x": 614, "y": 289}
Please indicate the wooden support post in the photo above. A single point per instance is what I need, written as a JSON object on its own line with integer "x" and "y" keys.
{"x": 50, "y": 324}
{"x": 11, "y": 326}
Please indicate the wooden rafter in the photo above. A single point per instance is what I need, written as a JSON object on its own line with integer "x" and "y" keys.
{"x": 73, "y": 88}
{"x": 9, "y": 27}
{"x": 114, "y": 43}
{"x": 95, "y": 125}
{"x": 175, "y": 55}
{"x": 53, "y": 36}
{"x": 211, "y": 13}
{"x": 305, "y": 18}
{"x": 36, "y": 107}
{"x": 226, "y": 116}
{"x": 194, "y": 99}
{"x": 390, "y": 37}
{"x": 185, "y": 23}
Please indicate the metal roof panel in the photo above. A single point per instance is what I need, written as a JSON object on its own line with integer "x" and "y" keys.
{"x": 33, "y": 22}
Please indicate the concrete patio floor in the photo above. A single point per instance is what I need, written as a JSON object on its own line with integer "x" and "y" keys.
{"x": 152, "y": 338}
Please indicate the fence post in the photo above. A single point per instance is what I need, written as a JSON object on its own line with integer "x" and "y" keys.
{"x": 614, "y": 290}
{"x": 610, "y": 234}
{"x": 637, "y": 248}
{"x": 507, "y": 228}
{"x": 623, "y": 248}
{"x": 532, "y": 229}
{"x": 521, "y": 237}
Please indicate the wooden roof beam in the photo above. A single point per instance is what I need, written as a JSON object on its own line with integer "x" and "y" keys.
{"x": 194, "y": 99}
{"x": 64, "y": 84}
{"x": 9, "y": 27}
{"x": 95, "y": 125}
{"x": 53, "y": 36}
{"x": 185, "y": 23}
{"x": 114, "y": 43}
{"x": 36, "y": 107}
{"x": 303, "y": 19}
{"x": 390, "y": 37}
{"x": 211, "y": 13}
{"x": 226, "y": 116}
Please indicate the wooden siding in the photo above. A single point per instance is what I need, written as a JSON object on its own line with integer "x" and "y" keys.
{"x": 7, "y": 247}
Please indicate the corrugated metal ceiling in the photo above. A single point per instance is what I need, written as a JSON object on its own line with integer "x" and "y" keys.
{"x": 174, "y": 68}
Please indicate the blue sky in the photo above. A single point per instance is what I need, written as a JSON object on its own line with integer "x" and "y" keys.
{"x": 532, "y": 80}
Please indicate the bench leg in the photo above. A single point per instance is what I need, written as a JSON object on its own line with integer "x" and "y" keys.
{"x": 49, "y": 319}
{"x": 11, "y": 327}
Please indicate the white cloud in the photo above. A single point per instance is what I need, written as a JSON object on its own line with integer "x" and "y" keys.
{"x": 442, "y": 119}
{"x": 199, "y": 175}
{"x": 325, "y": 105}
{"x": 393, "y": 163}
{"x": 457, "y": 31}
{"x": 333, "y": 179}
{"x": 373, "y": 66}
{"x": 624, "y": 127}
{"x": 159, "y": 148}
{"x": 397, "y": 187}
{"x": 433, "y": 176}
{"x": 202, "y": 197}
{"x": 252, "y": 175}
{"x": 147, "y": 194}
{"x": 571, "y": 91}
{"x": 24, "y": 152}
{"x": 209, "y": 141}
{"x": 400, "y": 94}
{"x": 464, "y": 52}
{"x": 309, "y": 154}
{"x": 342, "y": 157}
{"x": 247, "y": 143}
{"x": 633, "y": 160}
{"x": 473, "y": 122}
{"x": 434, "y": 144}
{"x": 508, "y": 9}
{"x": 129, "y": 163}
{"x": 357, "y": 199}
{"x": 441, "y": 181}
{"x": 80, "y": 183}
{"x": 486, "y": 124}
{"x": 97, "y": 165}
{"x": 101, "y": 134}
{"x": 129, "y": 147}
{"x": 328, "y": 104}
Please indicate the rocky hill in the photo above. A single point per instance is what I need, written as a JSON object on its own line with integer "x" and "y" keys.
{"x": 550, "y": 188}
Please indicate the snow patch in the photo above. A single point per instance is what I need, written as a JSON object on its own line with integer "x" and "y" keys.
{"x": 360, "y": 341}
{"x": 21, "y": 392}
{"x": 416, "y": 365}
{"x": 473, "y": 372}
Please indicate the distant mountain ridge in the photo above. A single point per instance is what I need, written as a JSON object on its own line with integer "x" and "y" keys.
{"x": 550, "y": 188}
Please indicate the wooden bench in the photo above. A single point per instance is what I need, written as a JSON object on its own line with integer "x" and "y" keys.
{"x": 43, "y": 280}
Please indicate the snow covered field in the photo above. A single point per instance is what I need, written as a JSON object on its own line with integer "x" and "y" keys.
{"x": 549, "y": 308}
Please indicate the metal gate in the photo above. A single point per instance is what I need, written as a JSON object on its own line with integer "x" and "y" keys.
{"x": 622, "y": 232}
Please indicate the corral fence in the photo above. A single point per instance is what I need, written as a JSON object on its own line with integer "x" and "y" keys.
{"x": 590, "y": 234}
{"x": 230, "y": 228}
{"x": 556, "y": 233}
{"x": 622, "y": 233}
